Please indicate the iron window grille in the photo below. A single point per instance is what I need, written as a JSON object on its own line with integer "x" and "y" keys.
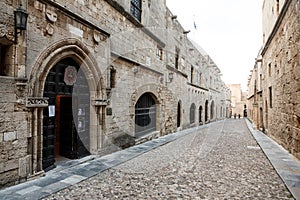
{"x": 136, "y": 9}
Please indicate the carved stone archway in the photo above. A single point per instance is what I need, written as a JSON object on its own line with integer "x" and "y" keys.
{"x": 66, "y": 48}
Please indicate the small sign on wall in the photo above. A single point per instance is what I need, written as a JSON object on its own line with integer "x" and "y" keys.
{"x": 108, "y": 111}
{"x": 51, "y": 110}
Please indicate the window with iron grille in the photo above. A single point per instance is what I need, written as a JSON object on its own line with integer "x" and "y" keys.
{"x": 145, "y": 115}
{"x": 136, "y": 9}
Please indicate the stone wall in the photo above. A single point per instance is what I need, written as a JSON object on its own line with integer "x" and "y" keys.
{"x": 14, "y": 146}
{"x": 281, "y": 79}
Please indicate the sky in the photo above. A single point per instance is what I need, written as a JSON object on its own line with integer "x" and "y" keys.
{"x": 230, "y": 31}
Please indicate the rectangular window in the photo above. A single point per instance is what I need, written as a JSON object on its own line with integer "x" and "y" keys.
{"x": 113, "y": 78}
{"x": 270, "y": 97}
{"x": 159, "y": 53}
{"x": 192, "y": 74}
{"x": 176, "y": 57}
{"x": 136, "y": 9}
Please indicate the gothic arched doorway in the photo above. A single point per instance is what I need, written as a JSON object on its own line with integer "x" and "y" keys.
{"x": 66, "y": 121}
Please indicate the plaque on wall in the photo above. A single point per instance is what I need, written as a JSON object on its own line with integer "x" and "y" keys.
{"x": 70, "y": 76}
{"x": 51, "y": 110}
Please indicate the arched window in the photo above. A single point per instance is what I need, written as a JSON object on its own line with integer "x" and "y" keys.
{"x": 192, "y": 113}
{"x": 145, "y": 115}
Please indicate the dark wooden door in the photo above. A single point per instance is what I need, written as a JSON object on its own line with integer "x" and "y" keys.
{"x": 67, "y": 131}
{"x": 60, "y": 135}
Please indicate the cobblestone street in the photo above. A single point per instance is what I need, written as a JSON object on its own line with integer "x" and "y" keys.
{"x": 221, "y": 161}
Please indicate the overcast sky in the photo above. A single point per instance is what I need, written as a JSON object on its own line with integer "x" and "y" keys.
{"x": 228, "y": 30}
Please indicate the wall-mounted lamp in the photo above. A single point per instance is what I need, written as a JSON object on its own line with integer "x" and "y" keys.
{"x": 171, "y": 76}
{"x": 174, "y": 17}
{"x": 20, "y": 17}
{"x": 186, "y": 32}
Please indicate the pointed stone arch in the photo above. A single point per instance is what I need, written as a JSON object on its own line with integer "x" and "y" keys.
{"x": 53, "y": 54}
{"x": 75, "y": 49}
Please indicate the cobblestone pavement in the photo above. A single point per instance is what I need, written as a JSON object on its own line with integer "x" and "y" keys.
{"x": 222, "y": 161}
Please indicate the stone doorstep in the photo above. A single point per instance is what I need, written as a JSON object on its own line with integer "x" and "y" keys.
{"x": 147, "y": 137}
{"x": 71, "y": 163}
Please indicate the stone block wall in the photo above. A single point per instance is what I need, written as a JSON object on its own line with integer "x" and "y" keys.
{"x": 281, "y": 80}
{"x": 14, "y": 158}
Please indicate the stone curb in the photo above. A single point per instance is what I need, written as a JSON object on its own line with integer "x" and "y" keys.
{"x": 286, "y": 165}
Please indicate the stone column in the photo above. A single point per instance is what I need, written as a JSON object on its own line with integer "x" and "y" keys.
{"x": 36, "y": 104}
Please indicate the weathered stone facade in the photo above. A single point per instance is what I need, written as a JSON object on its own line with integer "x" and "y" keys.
{"x": 254, "y": 95}
{"x": 279, "y": 72}
{"x": 238, "y": 100}
{"x": 120, "y": 60}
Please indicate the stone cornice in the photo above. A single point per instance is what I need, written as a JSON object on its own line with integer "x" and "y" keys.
{"x": 197, "y": 86}
{"x": 127, "y": 59}
{"x": 176, "y": 71}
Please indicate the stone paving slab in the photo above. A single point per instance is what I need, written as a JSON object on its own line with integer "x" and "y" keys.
{"x": 286, "y": 165}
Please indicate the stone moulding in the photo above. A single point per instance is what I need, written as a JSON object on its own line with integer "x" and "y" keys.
{"x": 36, "y": 102}
{"x": 6, "y": 33}
{"x": 100, "y": 102}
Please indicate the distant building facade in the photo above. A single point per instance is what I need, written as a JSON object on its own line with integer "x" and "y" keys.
{"x": 238, "y": 100}
{"x": 93, "y": 77}
{"x": 254, "y": 95}
{"x": 273, "y": 86}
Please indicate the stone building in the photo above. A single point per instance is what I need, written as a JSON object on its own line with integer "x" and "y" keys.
{"x": 277, "y": 78}
{"x": 254, "y": 95}
{"x": 93, "y": 77}
{"x": 238, "y": 100}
